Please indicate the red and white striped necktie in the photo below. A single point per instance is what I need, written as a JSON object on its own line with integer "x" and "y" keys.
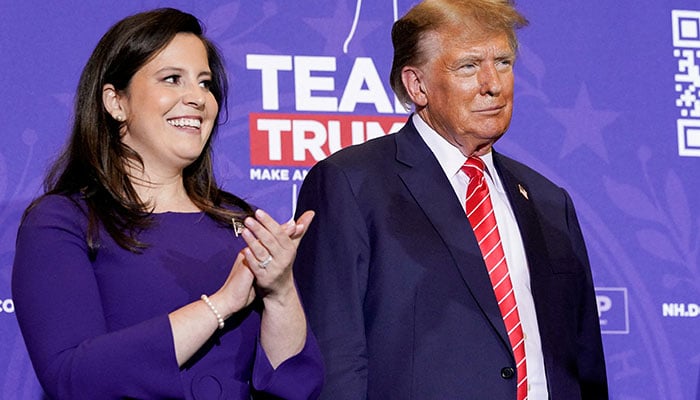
{"x": 483, "y": 221}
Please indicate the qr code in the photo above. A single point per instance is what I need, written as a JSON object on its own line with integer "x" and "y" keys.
{"x": 686, "y": 51}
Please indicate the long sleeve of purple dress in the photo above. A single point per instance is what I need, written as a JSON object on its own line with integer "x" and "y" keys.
{"x": 96, "y": 322}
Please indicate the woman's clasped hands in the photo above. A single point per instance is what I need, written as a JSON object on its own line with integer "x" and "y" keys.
{"x": 264, "y": 267}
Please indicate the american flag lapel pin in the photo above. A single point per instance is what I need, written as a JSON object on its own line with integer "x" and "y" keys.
{"x": 523, "y": 191}
{"x": 237, "y": 227}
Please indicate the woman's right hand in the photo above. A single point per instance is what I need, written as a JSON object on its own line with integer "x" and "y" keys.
{"x": 237, "y": 292}
{"x": 194, "y": 323}
{"x": 239, "y": 289}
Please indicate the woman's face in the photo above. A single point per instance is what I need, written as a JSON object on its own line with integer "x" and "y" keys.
{"x": 168, "y": 107}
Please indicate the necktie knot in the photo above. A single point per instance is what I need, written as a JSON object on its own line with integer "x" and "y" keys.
{"x": 474, "y": 168}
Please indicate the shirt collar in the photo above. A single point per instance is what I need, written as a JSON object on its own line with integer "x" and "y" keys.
{"x": 449, "y": 157}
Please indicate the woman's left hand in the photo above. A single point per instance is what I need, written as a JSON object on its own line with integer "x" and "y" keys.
{"x": 271, "y": 251}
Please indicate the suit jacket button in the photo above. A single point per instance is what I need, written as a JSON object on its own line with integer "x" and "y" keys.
{"x": 507, "y": 373}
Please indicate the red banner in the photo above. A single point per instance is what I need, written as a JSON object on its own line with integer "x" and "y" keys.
{"x": 304, "y": 139}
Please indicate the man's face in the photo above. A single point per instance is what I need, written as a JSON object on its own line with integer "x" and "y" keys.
{"x": 467, "y": 86}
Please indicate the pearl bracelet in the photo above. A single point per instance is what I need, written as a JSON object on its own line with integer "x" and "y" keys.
{"x": 213, "y": 309}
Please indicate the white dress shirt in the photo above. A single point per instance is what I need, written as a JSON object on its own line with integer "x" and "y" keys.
{"x": 451, "y": 161}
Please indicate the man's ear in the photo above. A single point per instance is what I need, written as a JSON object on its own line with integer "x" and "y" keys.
{"x": 412, "y": 79}
{"x": 111, "y": 101}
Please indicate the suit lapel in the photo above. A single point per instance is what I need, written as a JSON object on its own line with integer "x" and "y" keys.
{"x": 427, "y": 183}
{"x": 539, "y": 263}
{"x": 521, "y": 201}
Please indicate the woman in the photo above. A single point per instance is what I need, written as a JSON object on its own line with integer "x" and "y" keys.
{"x": 134, "y": 276}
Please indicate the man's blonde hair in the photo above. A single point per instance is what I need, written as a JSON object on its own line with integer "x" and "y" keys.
{"x": 408, "y": 32}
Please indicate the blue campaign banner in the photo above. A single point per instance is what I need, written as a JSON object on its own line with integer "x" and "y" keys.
{"x": 607, "y": 106}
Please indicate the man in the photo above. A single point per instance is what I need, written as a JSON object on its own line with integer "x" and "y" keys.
{"x": 397, "y": 280}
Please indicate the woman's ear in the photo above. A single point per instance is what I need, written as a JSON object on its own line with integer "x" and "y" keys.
{"x": 413, "y": 83}
{"x": 111, "y": 102}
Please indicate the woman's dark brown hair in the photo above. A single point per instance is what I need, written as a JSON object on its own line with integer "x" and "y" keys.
{"x": 93, "y": 165}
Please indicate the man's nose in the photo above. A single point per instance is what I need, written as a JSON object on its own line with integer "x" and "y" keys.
{"x": 489, "y": 81}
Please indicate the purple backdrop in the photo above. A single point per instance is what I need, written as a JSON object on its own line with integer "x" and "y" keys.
{"x": 606, "y": 106}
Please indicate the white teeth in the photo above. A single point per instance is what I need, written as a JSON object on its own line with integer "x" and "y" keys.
{"x": 194, "y": 123}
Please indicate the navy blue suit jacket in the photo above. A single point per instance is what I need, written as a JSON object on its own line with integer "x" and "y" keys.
{"x": 396, "y": 289}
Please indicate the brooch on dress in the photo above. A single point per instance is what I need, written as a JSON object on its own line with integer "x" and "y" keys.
{"x": 237, "y": 226}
